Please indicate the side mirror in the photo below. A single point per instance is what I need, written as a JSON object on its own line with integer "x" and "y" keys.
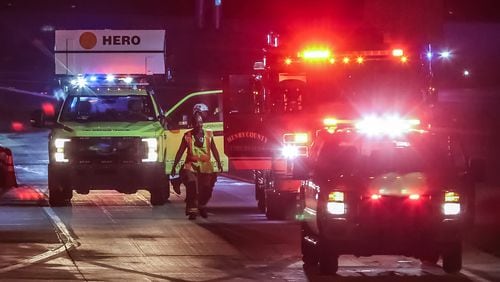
{"x": 37, "y": 119}
{"x": 477, "y": 169}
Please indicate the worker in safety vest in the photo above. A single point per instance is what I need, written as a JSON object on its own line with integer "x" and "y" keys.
{"x": 197, "y": 173}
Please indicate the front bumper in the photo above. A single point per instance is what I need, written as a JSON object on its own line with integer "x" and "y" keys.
{"x": 397, "y": 237}
{"x": 126, "y": 178}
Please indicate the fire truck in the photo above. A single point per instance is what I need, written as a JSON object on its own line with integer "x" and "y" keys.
{"x": 301, "y": 86}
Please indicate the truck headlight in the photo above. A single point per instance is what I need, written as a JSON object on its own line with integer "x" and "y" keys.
{"x": 336, "y": 208}
{"x": 451, "y": 204}
{"x": 151, "y": 149}
{"x": 291, "y": 151}
{"x": 59, "y": 154}
{"x": 336, "y": 203}
{"x": 451, "y": 208}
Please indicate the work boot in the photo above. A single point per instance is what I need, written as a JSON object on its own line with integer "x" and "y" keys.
{"x": 203, "y": 212}
{"x": 192, "y": 216}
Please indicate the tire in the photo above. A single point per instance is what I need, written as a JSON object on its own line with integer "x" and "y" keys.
{"x": 274, "y": 209}
{"x": 59, "y": 194}
{"x": 158, "y": 196}
{"x": 261, "y": 205}
{"x": 310, "y": 255}
{"x": 260, "y": 194}
{"x": 452, "y": 258}
{"x": 328, "y": 259}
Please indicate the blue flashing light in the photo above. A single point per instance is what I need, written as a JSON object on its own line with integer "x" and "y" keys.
{"x": 93, "y": 78}
{"x": 110, "y": 77}
{"x": 80, "y": 82}
{"x": 218, "y": 2}
{"x": 128, "y": 79}
{"x": 429, "y": 55}
{"x": 445, "y": 54}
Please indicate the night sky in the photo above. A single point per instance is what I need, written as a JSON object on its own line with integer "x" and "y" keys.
{"x": 27, "y": 28}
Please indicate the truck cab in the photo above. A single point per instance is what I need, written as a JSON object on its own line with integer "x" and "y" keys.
{"x": 375, "y": 191}
{"x": 110, "y": 132}
{"x": 108, "y": 138}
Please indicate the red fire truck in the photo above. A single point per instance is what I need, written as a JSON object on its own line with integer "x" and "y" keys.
{"x": 297, "y": 88}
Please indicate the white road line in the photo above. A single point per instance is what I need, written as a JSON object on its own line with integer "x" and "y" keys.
{"x": 473, "y": 276}
{"x": 107, "y": 213}
{"x": 68, "y": 243}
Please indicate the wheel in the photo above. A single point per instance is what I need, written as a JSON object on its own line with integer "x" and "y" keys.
{"x": 158, "y": 196}
{"x": 260, "y": 194}
{"x": 261, "y": 205}
{"x": 275, "y": 210}
{"x": 328, "y": 259}
{"x": 59, "y": 194}
{"x": 452, "y": 258}
{"x": 310, "y": 255}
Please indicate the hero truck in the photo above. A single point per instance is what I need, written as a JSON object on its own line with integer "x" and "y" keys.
{"x": 110, "y": 132}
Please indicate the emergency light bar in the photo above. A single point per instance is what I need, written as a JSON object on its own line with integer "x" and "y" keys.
{"x": 105, "y": 80}
{"x": 386, "y": 125}
{"x": 322, "y": 55}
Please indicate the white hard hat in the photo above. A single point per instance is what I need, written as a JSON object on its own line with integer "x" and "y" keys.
{"x": 200, "y": 108}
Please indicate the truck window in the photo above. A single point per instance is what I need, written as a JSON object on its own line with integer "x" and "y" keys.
{"x": 131, "y": 108}
{"x": 212, "y": 110}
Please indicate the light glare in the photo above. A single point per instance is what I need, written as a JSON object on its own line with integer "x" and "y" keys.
{"x": 451, "y": 208}
{"x": 336, "y": 208}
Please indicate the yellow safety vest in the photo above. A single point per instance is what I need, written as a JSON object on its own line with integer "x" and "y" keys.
{"x": 198, "y": 158}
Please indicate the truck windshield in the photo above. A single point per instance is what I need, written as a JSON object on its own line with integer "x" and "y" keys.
{"x": 126, "y": 108}
{"x": 374, "y": 160}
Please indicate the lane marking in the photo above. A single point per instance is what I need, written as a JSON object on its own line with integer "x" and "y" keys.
{"x": 64, "y": 236}
{"x": 107, "y": 213}
{"x": 473, "y": 276}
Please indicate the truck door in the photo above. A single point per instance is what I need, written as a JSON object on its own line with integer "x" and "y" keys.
{"x": 247, "y": 141}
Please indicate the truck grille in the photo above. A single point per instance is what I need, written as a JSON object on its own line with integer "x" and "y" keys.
{"x": 105, "y": 150}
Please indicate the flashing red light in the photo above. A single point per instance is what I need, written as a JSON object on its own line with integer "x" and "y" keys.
{"x": 404, "y": 59}
{"x": 17, "y": 126}
{"x": 330, "y": 121}
{"x": 397, "y": 52}
{"x": 316, "y": 54}
{"x": 346, "y": 60}
{"x": 414, "y": 197}
{"x": 288, "y": 61}
{"x": 48, "y": 109}
{"x": 375, "y": 197}
{"x": 360, "y": 60}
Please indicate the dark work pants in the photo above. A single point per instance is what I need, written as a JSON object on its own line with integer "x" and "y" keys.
{"x": 199, "y": 187}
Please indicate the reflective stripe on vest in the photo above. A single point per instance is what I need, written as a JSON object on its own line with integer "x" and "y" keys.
{"x": 198, "y": 158}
